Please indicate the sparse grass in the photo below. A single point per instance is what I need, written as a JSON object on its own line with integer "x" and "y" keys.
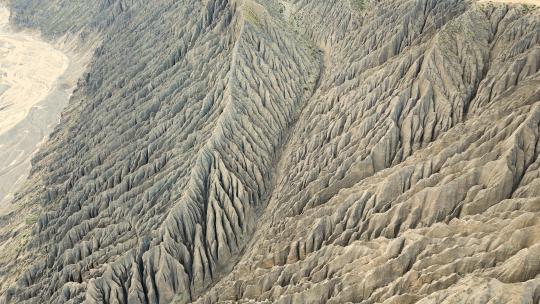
{"x": 251, "y": 16}
{"x": 358, "y": 4}
{"x": 527, "y": 8}
{"x": 31, "y": 219}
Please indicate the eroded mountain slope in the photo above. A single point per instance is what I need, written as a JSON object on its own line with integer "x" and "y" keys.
{"x": 288, "y": 151}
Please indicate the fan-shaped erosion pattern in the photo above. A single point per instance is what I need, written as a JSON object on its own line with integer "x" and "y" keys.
{"x": 301, "y": 151}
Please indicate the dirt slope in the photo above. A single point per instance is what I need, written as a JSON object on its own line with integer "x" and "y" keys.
{"x": 306, "y": 151}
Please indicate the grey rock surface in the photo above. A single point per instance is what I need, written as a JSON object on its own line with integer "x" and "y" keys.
{"x": 302, "y": 151}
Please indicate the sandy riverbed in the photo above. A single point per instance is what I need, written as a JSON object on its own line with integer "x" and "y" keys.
{"x": 29, "y": 68}
{"x": 36, "y": 81}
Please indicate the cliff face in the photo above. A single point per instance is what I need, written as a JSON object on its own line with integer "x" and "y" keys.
{"x": 286, "y": 151}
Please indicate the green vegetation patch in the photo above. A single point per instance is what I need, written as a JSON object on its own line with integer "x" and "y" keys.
{"x": 358, "y": 4}
{"x": 527, "y": 8}
{"x": 31, "y": 219}
{"x": 251, "y": 16}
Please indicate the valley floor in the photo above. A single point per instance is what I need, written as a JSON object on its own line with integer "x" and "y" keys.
{"x": 32, "y": 94}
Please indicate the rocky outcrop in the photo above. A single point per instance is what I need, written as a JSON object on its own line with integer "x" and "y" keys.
{"x": 288, "y": 151}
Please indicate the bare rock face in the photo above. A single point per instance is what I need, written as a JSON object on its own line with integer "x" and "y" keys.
{"x": 301, "y": 151}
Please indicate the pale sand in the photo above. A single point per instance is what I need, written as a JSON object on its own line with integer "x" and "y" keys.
{"x": 28, "y": 69}
{"x": 36, "y": 81}
{"x": 529, "y": 2}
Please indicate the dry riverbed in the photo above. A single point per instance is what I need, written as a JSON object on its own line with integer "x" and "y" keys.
{"x": 36, "y": 81}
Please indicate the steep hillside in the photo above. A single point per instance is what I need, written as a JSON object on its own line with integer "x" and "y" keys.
{"x": 303, "y": 151}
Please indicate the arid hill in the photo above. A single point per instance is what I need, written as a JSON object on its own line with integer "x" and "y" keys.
{"x": 272, "y": 151}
